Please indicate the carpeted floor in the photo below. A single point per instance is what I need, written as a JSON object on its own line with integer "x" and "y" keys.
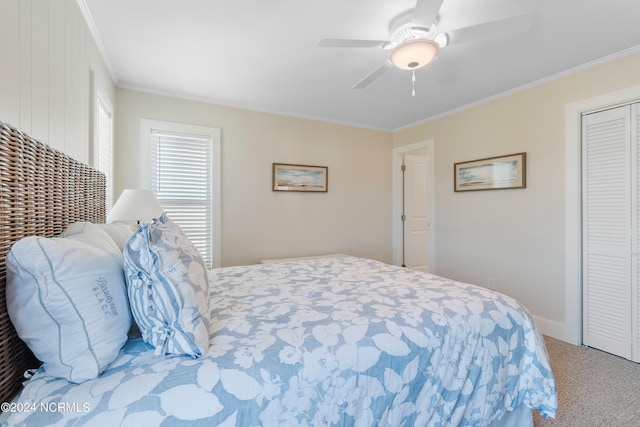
{"x": 594, "y": 388}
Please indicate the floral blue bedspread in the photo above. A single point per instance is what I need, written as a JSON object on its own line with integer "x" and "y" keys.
{"x": 323, "y": 342}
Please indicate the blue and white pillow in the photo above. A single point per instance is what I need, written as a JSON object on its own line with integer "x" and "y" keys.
{"x": 168, "y": 288}
{"x": 67, "y": 300}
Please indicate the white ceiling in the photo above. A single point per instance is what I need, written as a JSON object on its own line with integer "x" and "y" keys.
{"x": 264, "y": 55}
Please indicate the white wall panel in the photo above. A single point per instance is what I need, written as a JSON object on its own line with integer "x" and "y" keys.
{"x": 85, "y": 97}
{"x": 56, "y": 75}
{"x": 40, "y": 69}
{"x": 47, "y": 54}
{"x": 10, "y": 69}
{"x": 70, "y": 77}
{"x": 24, "y": 30}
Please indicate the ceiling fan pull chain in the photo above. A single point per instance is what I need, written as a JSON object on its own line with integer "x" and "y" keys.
{"x": 413, "y": 84}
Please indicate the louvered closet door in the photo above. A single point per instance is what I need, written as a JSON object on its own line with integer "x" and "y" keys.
{"x": 608, "y": 207}
{"x": 635, "y": 243}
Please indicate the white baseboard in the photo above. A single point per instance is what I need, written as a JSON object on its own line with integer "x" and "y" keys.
{"x": 555, "y": 330}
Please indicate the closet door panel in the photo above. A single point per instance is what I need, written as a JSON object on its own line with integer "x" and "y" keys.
{"x": 607, "y": 210}
{"x": 635, "y": 255}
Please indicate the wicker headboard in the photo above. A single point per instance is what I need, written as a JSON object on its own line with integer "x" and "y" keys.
{"x": 42, "y": 190}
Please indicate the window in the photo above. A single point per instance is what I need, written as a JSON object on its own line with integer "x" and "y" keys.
{"x": 103, "y": 145}
{"x": 184, "y": 174}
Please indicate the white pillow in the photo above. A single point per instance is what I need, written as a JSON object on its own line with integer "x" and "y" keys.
{"x": 67, "y": 300}
{"x": 168, "y": 289}
{"x": 93, "y": 235}
{"x": 119, "y": 232}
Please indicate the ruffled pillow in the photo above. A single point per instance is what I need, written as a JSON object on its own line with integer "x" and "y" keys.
{"x": 168, "y": 288}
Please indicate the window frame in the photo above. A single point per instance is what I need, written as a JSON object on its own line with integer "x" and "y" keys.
{"x": 146, "y": 127}
{"x": 102, "y": 102}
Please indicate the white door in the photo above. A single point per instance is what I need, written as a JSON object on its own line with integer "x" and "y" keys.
{"x": 416, "y": 211}
{"x": 608, "y": 205}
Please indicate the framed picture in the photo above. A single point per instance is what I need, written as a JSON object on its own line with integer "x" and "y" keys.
{"x": 493, "y": 173}
{"x": 300, "y": 178}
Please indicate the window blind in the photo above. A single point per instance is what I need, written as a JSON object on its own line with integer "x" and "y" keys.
{"x": 182, "y": 180}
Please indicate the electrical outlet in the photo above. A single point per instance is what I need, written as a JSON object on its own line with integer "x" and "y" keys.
{"x": 491, "y": 283}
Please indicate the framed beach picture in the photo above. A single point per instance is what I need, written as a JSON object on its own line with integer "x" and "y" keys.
{"x": 493, "y": 173}
{"x": 306, "y": 178}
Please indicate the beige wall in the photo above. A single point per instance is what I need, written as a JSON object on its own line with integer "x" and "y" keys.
{"x": 48, "y": 54}
{"x": 515, "y": 236}
{"x": 353, "y": 217}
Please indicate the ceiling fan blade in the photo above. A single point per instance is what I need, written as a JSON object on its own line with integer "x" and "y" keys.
{"x": 492, "y": 30}
{"x": 351, "y": 43}
{"x": 426, "y": 13}
{"x": 373, "y": 75}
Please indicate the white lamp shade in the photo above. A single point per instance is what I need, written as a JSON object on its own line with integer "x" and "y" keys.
{"x": 135, "y": 205}
{"x": 413, "y": 54}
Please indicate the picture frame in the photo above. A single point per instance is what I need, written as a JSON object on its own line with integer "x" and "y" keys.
{"x": 492, "y": 173}
{"x": 302, "y": 178}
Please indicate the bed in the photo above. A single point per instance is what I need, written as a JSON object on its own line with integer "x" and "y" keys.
{"x": 334, "y": 341}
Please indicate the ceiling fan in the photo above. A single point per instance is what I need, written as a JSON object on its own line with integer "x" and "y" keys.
{"x": 416, "y": 37}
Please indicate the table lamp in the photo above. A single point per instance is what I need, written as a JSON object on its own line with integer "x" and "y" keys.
{"x": 135, "y": 205}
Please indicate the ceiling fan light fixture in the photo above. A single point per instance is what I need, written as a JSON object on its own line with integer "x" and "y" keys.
{"x": 413, "y": 54}
{"x": 419, "y": 31}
